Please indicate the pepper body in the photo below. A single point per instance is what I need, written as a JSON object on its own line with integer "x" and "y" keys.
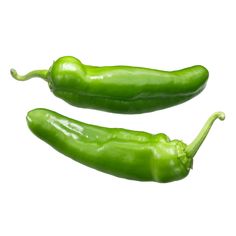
{"x": 120, "y": 89}
{"x": 124, "y": 153}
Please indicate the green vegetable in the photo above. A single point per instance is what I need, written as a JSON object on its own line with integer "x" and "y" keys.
{"x": 120, "y": 89}
{"x": 124, "y": 153}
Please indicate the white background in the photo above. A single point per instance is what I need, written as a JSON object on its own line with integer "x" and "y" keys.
{"x": 43, "y": 192}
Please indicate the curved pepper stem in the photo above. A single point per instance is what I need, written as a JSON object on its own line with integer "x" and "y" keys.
{"x": 36, "y": 73}
{"x": 195, "y": 145}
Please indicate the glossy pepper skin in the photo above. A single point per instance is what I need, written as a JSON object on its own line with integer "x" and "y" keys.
{"x": 124, "y": 153}
{"x": 120, "y": 89}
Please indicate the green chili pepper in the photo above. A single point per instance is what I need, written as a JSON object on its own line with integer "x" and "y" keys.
{"x": 120, "y": 89}
{"x": 120, "y": 152}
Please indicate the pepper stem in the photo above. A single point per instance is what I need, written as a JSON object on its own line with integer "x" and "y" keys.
{"x": 36, "y": 73}
{"x": 195, "y": 145}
